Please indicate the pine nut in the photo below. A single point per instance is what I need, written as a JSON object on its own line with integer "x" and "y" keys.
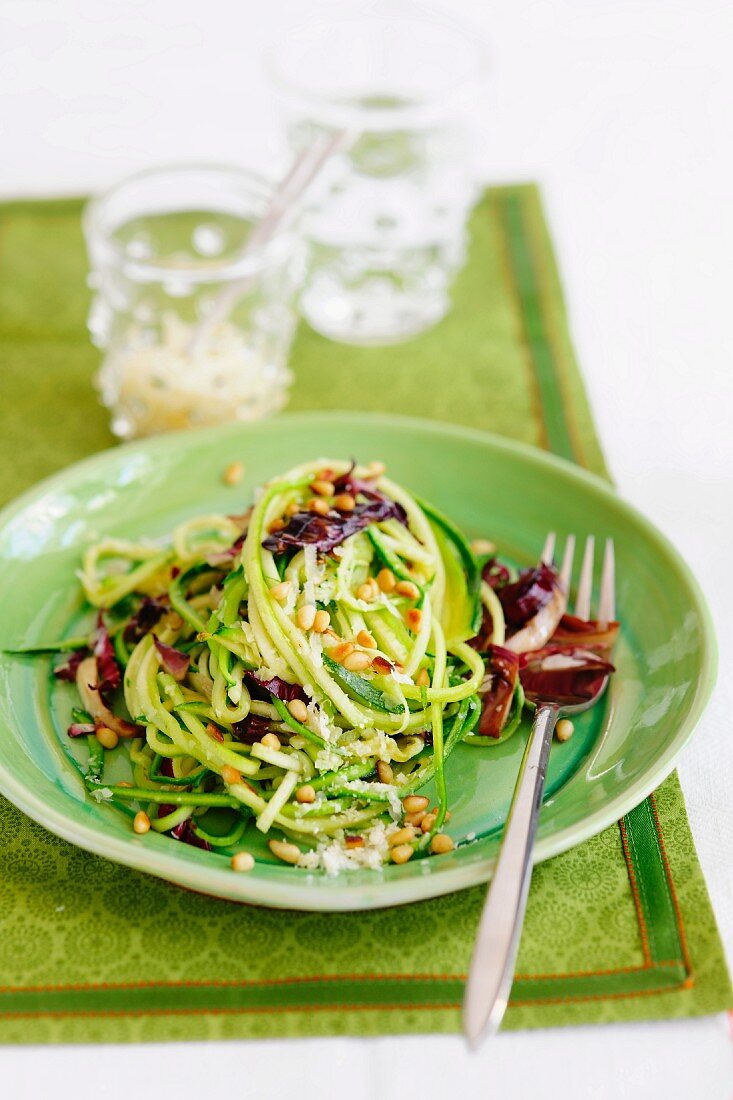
{"x": 292, "y": 509}
{"x": 281, "y": 591}
{"x": 423, "y": 678}
{"x": 366, "y": 592}
{"x": 415, "y": 819}
{"x": 233, "y": 473}
{"x": 382, "y": 666}
{"x": 428, "y": 821}
{"x": 402, "y": 836}
{"x": 440, "y": 844}
{"x": 342, "y": 650}
{"x": 408, "y": 589}
{"x": 271, "y": 741}
{"x": 563, "y": 730}
{"x": 414, "y": 619}
{"x": 354, "y": 841}
{"x": 107, "y": 738}
{"x": 384, "y": 772}
{"x": 306, "y": 616}
{"x": 141, "y": 823}
{"x": 276, "y": 525}
{"x": 357, "y": 661}
{"x": 344, "y": 502}
{"x": 401, "y": 853}
{"x": 415, "y": 802}
{"x": 243, "y": 861}
{"x": 483, "y": 546}
{"x": 298, "y": 709}
{"x": 322, "y": 488}
{"x": 230, "y": 775}
{"x": 319, "y": 505}
{"x": 306, "y": 793}
{"x": 365, "y": 639}
{"x": 374, "y": 469}
{"x": 386, "y": 580}
{"x": 321, "y": 621}
{"x": 214, "y": 731}
{"x": 288, "y": 853}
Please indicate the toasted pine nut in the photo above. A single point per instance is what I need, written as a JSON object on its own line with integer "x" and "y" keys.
{"x": 408, "y": 589}
{"x": 319, "y": 505}
{"x": 563, "y": 730}
{"x": 298, "y": 709}
{"x": 366, "y": 592}
{"x": 402, "y": 836}
{"x": 306, "y": 616}
{"x": 338, "y": 652}
{"x": 428, "y": 821}
{"x": 344, "y": 502}
{"x": 233, "y": 473}
{"x": 414, "y": 618}
{"x": 141, "y": 823}
{"x": 322, "y": 488}
{"x": 365, "y": 639}
{"x": 413, "y": 803}
{"x": 281, "y": 591}
{"x": 214, "y": 731}
{"x": 276, "y": 525}
{"x": 374, "y": 469}
{"x": 321, "y": 621}
{"x": 415, "y": 819}
{"x": 401, "y": 853}
{"x": 384, "y": 772}
{"x": 288, "y": 853}
{"x": 386, "y": 580}
{"x": 357, "y": 661}
{"x": 423, "y": 678}
{"x": 354, "y": 841}
{"x": 243, "y": 861}
{"x": 483, "y": 546}
{"x": 107, "y": 738}
{"x": 306, "y": 793}
{"x": 382, "y": 666}
{"x": 230, "y": 775}
{"x": 440, "y": 844}
{"x": 270, "y": 741}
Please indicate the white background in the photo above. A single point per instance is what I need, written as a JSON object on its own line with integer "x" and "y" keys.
{"x": 621, "y": 109}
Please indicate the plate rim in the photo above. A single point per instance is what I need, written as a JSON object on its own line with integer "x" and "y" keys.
{"x": 400, "y": 890}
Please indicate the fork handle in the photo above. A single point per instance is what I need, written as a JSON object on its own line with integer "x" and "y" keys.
{"x": 492, "y": 965}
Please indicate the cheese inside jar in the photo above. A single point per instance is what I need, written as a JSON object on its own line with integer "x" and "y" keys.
{"x": 164, "y": 247}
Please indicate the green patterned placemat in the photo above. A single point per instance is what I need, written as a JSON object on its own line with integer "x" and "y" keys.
{"x": 619, "y": 928}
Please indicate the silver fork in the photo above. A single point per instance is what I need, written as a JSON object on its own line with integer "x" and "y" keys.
{"x": 492, "y": 964}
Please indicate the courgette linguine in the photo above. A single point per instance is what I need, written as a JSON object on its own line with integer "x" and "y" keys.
{"x": 303, "y": 669}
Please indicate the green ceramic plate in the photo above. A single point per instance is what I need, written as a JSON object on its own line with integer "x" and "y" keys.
{"x": 618, "y": 754}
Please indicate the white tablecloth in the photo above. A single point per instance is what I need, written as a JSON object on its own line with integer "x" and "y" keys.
{"x": 618, "y": 108}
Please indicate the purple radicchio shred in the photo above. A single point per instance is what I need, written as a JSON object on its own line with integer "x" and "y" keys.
{"x": 172, "y": 660}
{"x": 251, "y": 729}
{"x": 497, "y": 690}
{"x": 81, "y": 729}
{"x": 166, "y": 768}
{"x": 495, "y": 573}
{"x": 528, "y": 594}
{"x": 225, "y": 557}
{"x": 185, "y": 833}
{"x": 110, "y": 676}
{"x": 67, "y": 669}
{"x": 144, "y": 619}
{"x": 567, "y": 676}
{"x": 277, "y": 687}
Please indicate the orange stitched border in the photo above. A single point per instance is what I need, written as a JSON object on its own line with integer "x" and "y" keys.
{"x": 670, "y": 882}
{"x": 643, "y": 932}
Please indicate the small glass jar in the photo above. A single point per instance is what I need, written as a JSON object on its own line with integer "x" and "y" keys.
{"x": 164, "y": 246}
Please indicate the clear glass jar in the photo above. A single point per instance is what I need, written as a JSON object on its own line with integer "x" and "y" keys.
{"x": 163, "y": 246}
{"x": 386, "y": 227}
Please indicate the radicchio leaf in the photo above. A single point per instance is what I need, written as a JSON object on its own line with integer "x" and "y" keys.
{"x": 172, "y": 660}
{"x": 226, "y": 557}
{"x": 497, "y": 690}
{"x": 495, "y": 573}
{"x": 80, "y": 729}
{"x": 185, "y": 833}
{"x": 109, "y": 676}
{"x": 68, "y": 667}
{"x": 588, "y": 633}
{"x": 144, "y": 619}
{"x": 563, "y": 674}
{"x": 277, "y": 687}
{"x": 251, "y": 729}
{"x": 528, "y": 594}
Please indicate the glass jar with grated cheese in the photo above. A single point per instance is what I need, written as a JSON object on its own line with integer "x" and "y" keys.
{"x": 163, "y": 245}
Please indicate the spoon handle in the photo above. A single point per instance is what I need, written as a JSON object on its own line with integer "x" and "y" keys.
{"x": 497, "y": 941}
